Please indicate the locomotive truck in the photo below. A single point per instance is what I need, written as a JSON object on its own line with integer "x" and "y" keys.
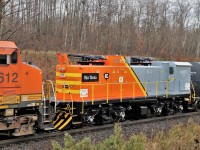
{"x": 90, "y": 89}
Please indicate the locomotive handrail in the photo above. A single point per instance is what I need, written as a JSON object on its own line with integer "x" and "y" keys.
{"x": 44, "y": 101}
{"x": 66, "y": 88}
{"x": 193, "y": 95}
{"x": 82, "y": 105}
{"x": 115, "y": 83}
{"x": 93, "y": 94}
{"x": 92, "y": 84}
{"x": 71, "y": 100}
{"x": 121, "y": 94}
{"x": 167, "y": 90}
{"x": 54, "y": 93}
{"x": 106, "y": 93}
{"x": 145, "y": 87}
{"x": 156, "y": 89}
{"x": 100, "y": 83}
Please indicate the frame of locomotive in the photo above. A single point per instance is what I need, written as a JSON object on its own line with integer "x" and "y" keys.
{"x": 89, "y": 90}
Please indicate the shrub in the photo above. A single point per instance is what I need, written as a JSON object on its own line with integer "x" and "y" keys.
{"x": 180, "y": 137}
{"x": 114, "y": 142}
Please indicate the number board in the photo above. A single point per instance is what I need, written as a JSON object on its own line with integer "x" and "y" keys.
{"x": 8, "y": 77}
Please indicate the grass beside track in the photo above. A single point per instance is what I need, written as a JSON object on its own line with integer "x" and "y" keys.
{"x": 182, "y": 137}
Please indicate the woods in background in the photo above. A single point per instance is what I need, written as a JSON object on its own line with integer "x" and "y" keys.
{"x": 160, "y": 28}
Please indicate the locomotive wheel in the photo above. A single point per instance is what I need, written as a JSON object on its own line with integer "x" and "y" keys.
{"x": 62, "y": 120}
{"x": 197, "y": 105}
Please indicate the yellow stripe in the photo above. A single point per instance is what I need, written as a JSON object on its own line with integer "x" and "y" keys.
{"x": 78, "y": 75}
{"x": 68, "y": 91}
{"x": 31, "y": 97}
{"x": 134, "y": 76}
{"x": 5, "y": 106}
{"x": 60, "y": 114}
{"x": 66, "y": 123}
{"x": 61, "y": 82}
{"x": 61, "y": 121}
{"x": 16, "y": 100}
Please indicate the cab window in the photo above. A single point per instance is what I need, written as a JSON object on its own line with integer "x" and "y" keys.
{"x": 14, "y": 58}
{"x": 171, "y": 70}
{"x": 3, "y": 59}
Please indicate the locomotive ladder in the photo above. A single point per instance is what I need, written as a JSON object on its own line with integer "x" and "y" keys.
{"x": 50, "y": 86}
{"x": 47, "y": 112}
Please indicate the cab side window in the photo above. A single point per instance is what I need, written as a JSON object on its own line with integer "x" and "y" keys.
{"x": 3, "y": 59}
{"x": 171, "y": 70}
{"x": 14, "y": 58}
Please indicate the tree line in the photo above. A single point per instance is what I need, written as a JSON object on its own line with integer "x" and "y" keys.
{"x": 159, "y": 28}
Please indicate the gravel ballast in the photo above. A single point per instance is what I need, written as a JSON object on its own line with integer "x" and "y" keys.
{"x": 148, "y": 128}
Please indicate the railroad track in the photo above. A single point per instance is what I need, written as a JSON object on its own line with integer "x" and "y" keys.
{"x": 92, "y": 129}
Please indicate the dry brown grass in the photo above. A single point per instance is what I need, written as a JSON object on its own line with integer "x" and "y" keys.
{"x": 180, "y": 137}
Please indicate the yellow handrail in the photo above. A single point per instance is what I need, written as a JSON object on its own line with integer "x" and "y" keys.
{"x": 63, "y": 92}
{"x": 71, "y": 100}
{"x": 121, "y": 92}
{"x": 83, "y": 105}
{"x": 93, "y": 94}
{"x": 92, "y": 87}
{"x": 106, "y": 93}
{"x": 133, "y": 90}
{"x": 156, "y": 89}
{"x": 145, "y": 87}
{"x": 167, "y": 88}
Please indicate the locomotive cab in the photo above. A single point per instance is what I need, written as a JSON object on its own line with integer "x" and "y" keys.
{"x": 20, "y": 93}
{"x": 9, "y": 63}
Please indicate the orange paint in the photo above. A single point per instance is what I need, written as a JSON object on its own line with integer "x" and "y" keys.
{"x": 119, "y": 84}
{"x": 18, "y": 77}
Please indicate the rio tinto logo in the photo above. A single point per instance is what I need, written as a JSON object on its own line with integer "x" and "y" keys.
{"x": 90, "y": 77}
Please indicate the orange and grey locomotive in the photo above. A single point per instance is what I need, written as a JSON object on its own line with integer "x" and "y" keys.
{"x": 103, "y": 89}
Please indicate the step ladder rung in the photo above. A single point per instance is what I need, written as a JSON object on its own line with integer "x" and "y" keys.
{"x": 46, "y": 114}
{"x": 75, "y": 123}
{"x": 67, "y": 108}
{"x": 190, "y": 108}
{"x": 47, "y": 121}
{"x": 48, "y": 129}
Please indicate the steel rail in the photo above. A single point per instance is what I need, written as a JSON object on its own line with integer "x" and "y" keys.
{"x": 93, "y": 128}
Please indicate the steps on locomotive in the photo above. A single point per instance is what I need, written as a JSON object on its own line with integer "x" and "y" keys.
{"x": 47, "y": 129}
{"x": 76, "y": 123}
{"x": 47, "y": 115}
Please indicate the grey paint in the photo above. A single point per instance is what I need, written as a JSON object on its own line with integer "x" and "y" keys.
{"x": 158, "y": 71}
